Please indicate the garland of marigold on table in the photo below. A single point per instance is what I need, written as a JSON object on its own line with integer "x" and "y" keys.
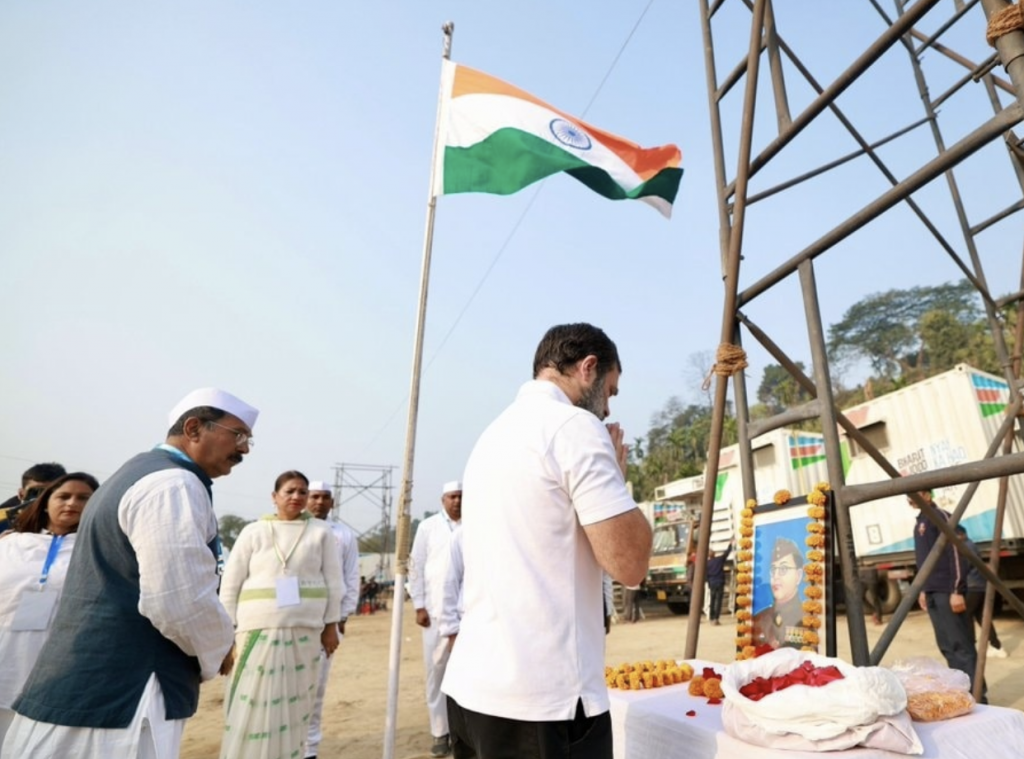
{"x": 814, "y": 570}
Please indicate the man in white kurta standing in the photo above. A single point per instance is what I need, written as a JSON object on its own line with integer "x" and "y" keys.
{"x": 139, "y": 625}
{"x": 451, "y": 605}
{"x": 320, "y": 504}
{"x": 549, "y": 511}
{"x": 428, "y": 572}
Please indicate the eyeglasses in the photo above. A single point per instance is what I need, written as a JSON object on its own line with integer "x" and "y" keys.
{"x": 782, "y": 571}
{"x": 241, "y": 438}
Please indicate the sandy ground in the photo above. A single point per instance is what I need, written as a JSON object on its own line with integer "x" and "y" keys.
{"x": 356, "y": 699}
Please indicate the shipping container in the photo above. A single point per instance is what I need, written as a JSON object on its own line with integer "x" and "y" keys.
{"x": 942, "y": 421}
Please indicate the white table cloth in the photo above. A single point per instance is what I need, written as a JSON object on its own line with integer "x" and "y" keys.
{"x": 653, "y": 725}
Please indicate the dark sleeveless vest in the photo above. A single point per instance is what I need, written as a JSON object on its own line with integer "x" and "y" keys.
{"x": 101, "y": 651}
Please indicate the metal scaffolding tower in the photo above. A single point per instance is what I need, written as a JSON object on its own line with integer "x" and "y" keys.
{"x": 368, "y": 483}
{"x": 789, "y": 139}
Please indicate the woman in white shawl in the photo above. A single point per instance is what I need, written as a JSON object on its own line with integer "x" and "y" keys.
{"x": 282, "y": 588}
{"x": 33, "y": 563}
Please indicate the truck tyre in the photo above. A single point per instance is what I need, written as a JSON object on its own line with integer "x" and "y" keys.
{"x": 677, "y": 607}
{"x": 889, "y": 599}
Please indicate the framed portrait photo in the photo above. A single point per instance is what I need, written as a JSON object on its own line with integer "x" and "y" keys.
{"x": 789, "y": 575}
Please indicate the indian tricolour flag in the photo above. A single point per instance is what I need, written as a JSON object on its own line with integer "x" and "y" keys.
{"x": 496, "y": 138}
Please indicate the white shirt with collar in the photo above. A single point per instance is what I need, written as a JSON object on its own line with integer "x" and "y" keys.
{"x": 531, "y": 640}
{"x": 452, "y": 608}
{"x": 428, "y": 567}
{"x": 348, "y": 552}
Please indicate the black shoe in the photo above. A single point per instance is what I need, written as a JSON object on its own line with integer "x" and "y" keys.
{"x": 441, "y": 747}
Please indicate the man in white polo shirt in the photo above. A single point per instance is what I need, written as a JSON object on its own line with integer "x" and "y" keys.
{"x": 549, "y": 510}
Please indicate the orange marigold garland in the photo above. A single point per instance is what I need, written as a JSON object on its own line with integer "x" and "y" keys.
{"x": 744, "y": 577}
{"x": 811, "y": 607}
{"x": 814, "y": 569}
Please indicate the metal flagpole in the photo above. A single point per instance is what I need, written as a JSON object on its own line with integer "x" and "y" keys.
{"x": 402, "y": 533}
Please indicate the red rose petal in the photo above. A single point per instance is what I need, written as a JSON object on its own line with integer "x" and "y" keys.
{"x": 691, "y": 713}
{"x": 714, "y": 701}
{"x": 805, "y": 674}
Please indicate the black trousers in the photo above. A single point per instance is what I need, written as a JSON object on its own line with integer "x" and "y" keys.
{"x": 975, "y": 601}
{"x": 954, "y": 634}
{"x": 481, "y": 736}
{"x": 717, "y": 593}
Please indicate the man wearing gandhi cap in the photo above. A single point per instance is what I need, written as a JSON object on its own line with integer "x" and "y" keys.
{"x": 139, "y": 625}
{"x": 428, "y": 571}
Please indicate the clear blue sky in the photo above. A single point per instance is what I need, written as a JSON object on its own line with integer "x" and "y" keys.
{"x": 233, "y": 194}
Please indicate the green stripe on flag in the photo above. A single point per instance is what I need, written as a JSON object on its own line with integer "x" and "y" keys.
{"x": 510, "y": 159}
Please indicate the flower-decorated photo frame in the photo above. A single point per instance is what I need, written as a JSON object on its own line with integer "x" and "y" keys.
{"x": 782, "y": 580}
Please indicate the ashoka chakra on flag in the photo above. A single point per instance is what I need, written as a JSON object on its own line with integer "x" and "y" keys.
{"x": 498, "y": 139}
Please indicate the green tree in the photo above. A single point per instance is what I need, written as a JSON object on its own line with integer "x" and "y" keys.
{"x": 885, "y": 328}
{"x": 676, "y": 446}
{"x": 230, "y": 526}
{"x": 778, "y": 390}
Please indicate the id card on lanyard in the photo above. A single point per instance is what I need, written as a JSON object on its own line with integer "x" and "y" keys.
{"x": 286, "y": 590}
{"x": 36, "y": 605}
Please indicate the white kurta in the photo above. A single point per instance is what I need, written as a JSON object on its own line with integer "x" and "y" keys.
{"x": 428, "y": 570}
{"x": 451, "y": 606}
{"x": 22, "y": 557}
{"x": 149, "y": 736}
{"x": 348, "y": 552}
{"x": 168, "y": 518}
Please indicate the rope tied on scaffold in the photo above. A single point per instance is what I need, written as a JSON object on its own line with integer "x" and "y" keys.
{"x": 1009, "y": 19}
{"x": 729, "y": 359}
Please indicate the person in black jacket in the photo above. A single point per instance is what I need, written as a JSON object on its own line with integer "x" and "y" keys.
{"x": 716, "y": 582}
{"x": 976, "y": 585}
{"x": 944, "y": 593}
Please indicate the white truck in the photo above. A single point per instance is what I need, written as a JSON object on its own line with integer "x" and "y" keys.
{"x": 947, "y": 419}
{"x": 783, "y": 459}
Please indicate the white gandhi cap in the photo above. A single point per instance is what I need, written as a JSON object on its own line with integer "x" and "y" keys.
{"x": 316, "y": 486}
{"x": 455, "y": 486}
{"x": 214, "y": 398}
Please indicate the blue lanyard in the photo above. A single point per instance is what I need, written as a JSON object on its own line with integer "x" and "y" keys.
{"x": 175, "y": 452}
{"x": 51, "y": 557}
